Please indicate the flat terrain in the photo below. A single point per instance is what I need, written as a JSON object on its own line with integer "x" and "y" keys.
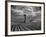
{"x": 18, "y": 23}
{"x": 25, "y": 19}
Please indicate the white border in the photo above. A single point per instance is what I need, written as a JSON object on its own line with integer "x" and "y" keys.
{"x": 24, "y": 32}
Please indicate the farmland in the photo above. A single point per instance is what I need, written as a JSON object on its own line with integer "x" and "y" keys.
{"x": 25, "y": 19}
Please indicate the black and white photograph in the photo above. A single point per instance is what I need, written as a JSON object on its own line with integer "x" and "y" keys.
{"x": 25, "y": 18}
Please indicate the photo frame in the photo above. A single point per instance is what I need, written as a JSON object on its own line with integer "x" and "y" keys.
{"x": 24, "y": 18}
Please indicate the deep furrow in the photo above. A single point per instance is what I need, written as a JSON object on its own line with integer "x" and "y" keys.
{"x": 13, "y": 28}
{"x": 18, "y": 28}
{"x": 21, "y": 28}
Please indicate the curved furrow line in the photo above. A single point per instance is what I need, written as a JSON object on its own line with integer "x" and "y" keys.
{"x": 18, "y": 27}
{"x": 13, "y": 27}
{"x": 21, "y": 28}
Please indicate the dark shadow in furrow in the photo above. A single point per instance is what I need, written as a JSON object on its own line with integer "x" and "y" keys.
{"x": 18, "y": 27}
{"x": 13, "y": 27}
{"x": 21, "y": 28}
